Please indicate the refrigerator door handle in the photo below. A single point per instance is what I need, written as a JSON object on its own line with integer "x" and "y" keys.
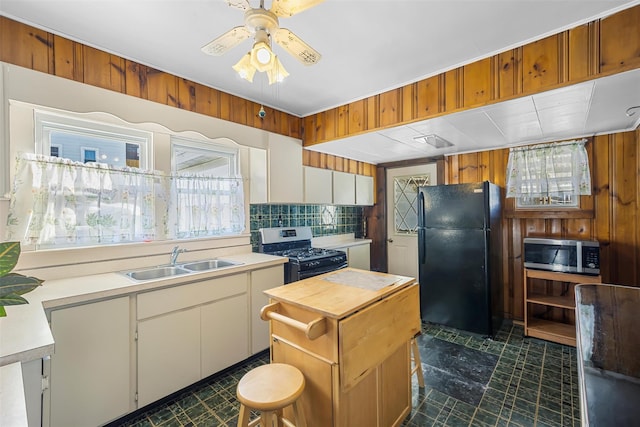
{"x": 421, "y": 231}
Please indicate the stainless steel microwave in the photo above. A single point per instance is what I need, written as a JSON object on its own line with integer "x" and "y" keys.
{"x": 568, "y": 256}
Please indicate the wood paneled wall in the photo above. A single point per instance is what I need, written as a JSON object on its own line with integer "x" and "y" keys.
{"x": 607, "y": 46}
{"x": 39, "y": 50}
{"x": 336, "y": 163}
{"x": 609, "y": 215}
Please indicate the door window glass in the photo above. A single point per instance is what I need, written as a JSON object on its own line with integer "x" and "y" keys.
{"x": 405, "y": 201}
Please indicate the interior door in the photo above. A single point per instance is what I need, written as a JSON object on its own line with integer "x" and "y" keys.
{"x": 402, "y": 217}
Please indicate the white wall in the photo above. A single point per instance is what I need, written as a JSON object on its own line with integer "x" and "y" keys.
{"x": 23, "y": 90}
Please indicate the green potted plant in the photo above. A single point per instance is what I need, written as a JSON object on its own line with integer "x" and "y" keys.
{"x": 12, "y": 285}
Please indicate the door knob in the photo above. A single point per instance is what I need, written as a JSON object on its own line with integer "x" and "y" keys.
{"x": 390, "y": 240}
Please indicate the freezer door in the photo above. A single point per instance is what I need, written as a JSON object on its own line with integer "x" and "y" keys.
{"x": 454, "y": 285}
{"x": 455, "y": 206}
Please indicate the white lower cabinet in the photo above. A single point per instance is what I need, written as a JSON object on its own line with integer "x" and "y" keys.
{"x": 89, "y": 375}
{"x": 151, "y": 344}
{"x": 223, "y": 334}
{"x": 168, "y": 354}
{"x": 261, "y": 280}
{"x": 359, "y": 256}
{"x": 188, "y": 332}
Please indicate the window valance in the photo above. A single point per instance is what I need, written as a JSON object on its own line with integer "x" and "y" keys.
{"x": 59, "y": 202}
{"x": 555, "y": 171}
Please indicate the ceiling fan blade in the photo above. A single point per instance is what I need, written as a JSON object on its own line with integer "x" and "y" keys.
{"x": 296, "y": 47}
{"x": 239, "y": 4}
{"x": 227, "y": 41}
{"x": 291, "y": 7}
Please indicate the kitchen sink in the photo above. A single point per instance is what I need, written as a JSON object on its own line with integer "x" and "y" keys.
{"x": 208, "y": 264}
{"x": 163, "y": 271}
{"x": 156, "y": 273}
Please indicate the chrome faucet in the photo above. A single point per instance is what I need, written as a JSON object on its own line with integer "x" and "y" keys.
{"x": 174, "y": 254}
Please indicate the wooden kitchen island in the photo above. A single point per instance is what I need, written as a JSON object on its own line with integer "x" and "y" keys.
{"x": 349, "y": 332}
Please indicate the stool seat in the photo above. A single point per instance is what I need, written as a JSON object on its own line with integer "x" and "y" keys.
{"x": 269, "y": 389}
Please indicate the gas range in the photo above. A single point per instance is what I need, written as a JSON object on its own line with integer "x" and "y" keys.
{"x": 304, "y": 260}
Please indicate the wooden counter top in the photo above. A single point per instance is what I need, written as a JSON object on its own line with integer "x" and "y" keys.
{"x": 339, "y": 293}
{"x": 608, "y": 338}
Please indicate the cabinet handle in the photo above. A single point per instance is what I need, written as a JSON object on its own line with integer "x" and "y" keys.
{"x": 312, "y": 330}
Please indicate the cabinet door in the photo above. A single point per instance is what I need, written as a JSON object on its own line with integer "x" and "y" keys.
{"x": 318, "y": 186}
{"x": 364, "y": 190}
{"x": 224, "y": 338}
{"x": 285, "y": 170}
{"x": 261, "y": 280}
{"x": 319, "y": 376}
{"x": 257, "y": 175}
{"x": 168, "y": 354}
{"x": 359, "y": 257}
{"x": 90, "y": 380}
{"x": 344, "y": 188}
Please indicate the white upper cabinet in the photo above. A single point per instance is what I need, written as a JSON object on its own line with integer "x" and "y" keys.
{"x": 318, "y": 187}
{"x": 285, "y": 170}
{"x": 258, "y": 192}
{"x": 364, "y": 190}
{"x": 344, "y": 188}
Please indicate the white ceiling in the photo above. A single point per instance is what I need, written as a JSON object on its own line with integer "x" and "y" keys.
{"x": 367, "y": 47}
{"x": 586, "y": 109}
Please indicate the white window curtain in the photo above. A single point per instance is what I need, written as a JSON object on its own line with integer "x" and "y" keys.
{"x": 207, "y": 206}
{"x": 553, "y": 171}
{"x": 57, "y": 202}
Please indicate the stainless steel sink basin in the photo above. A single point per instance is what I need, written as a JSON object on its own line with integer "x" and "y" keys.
{"x": 208, "y": 264}
{"x": 156, "y": 273}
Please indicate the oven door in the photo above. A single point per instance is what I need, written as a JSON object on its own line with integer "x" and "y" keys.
{"x": 321, "y": 270}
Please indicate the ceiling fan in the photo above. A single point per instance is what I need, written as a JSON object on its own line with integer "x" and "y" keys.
{"x": 264, "y": 26}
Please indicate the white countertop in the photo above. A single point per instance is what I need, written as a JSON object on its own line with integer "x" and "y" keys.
{"x": 338, "y": 241}
{"x": 25, "y": 333}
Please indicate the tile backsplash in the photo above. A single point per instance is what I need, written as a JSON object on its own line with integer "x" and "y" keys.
{"x": 324, "y": 220}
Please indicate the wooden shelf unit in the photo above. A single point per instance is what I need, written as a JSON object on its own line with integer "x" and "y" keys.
{"x": 551, "y": 330}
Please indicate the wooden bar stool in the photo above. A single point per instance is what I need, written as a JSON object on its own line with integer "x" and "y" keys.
{"x": 269, "y": 389}
{"x": 417, "y": 362}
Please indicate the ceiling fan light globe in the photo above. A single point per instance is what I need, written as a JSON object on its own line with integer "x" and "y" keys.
{"x": 245, "y": 68}
{"x": 277, "y": 74}
{"x": 263, "y": 56}
{"x": 260, "y": 53}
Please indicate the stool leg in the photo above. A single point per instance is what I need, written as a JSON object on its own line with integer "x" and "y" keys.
{"x": 266, "y": 419}
{"x": 243, "y": 417}
{"x": 298, "y": 414}
{"x": 417, "y": 362}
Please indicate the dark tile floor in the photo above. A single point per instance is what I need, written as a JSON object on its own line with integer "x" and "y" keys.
{"x": 470, "y": 381}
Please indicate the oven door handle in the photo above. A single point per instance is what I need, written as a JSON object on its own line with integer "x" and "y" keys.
{"x": 328, "y": 269}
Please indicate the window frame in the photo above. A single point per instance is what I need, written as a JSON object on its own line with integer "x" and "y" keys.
{"x": 46, "y": 122}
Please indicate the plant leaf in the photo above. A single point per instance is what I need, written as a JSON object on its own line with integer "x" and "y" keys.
{"x": 9, "y": 253}
{"x": 3, "y": 313}
{"x": 17, "y": 279}
{"x": 18, "y": 289}
{"x": 12, "y": 299}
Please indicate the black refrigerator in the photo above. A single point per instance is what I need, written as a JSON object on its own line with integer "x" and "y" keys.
{"x": 459, "y": 253}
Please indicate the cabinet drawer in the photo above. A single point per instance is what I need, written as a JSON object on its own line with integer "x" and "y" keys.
{"x": 323, "y": 346}
{"x": 183, "y": 296}
{"x": 370, "y": 336}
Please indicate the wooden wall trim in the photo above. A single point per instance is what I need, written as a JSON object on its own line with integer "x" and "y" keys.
{"x": 36, "y": 49}
{"x": 597, "y": 49}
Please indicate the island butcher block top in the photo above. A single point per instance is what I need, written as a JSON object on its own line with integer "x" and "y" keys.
{"x": 340, "y": 293}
